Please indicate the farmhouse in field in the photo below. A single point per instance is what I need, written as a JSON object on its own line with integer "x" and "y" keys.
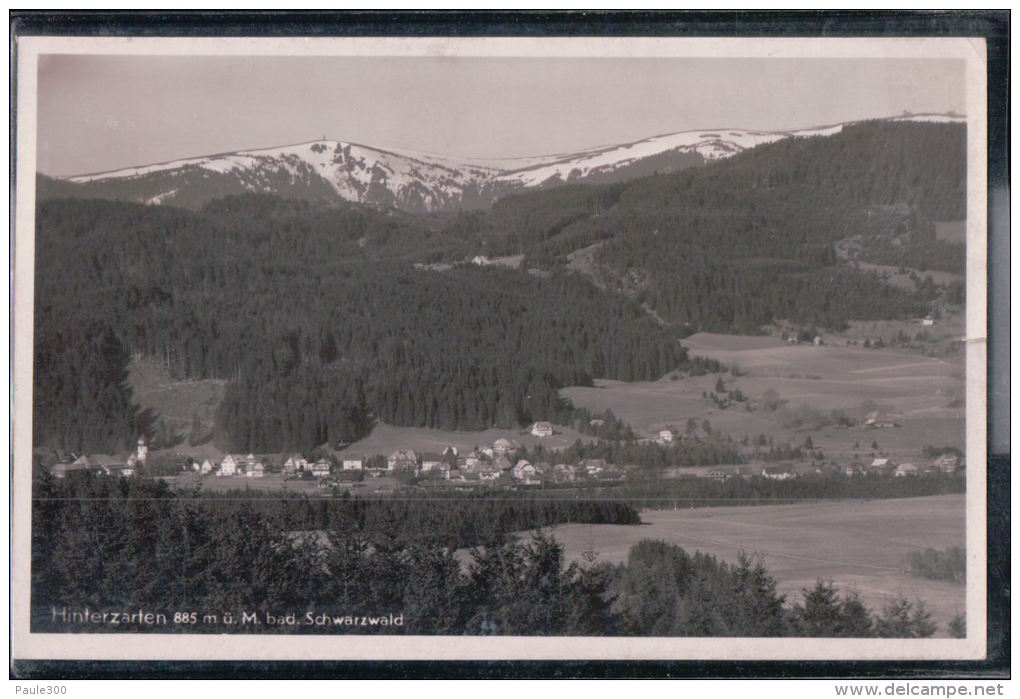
{"x": 542, "y": 429}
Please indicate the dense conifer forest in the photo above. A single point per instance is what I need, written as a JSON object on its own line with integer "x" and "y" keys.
{"x": 315, "y": 346}
{"x": 122, "y": 545}
{"x": 320, "y": 324}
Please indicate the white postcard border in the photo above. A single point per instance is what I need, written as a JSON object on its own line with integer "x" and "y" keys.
{"x": 103, "y": 646}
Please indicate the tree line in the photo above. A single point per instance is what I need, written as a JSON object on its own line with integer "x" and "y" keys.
{"x": 125, "y": 544}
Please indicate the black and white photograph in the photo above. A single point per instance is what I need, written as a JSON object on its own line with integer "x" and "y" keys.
{"x": 458, "y": 348}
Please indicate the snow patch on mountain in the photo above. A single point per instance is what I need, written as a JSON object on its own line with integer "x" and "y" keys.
{"x": 420, "y": 181}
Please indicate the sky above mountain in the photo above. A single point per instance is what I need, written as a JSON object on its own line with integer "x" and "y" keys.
{"x": 101, "y": 113}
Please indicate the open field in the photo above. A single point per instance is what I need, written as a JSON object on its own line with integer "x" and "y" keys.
{"x": 853, "y": 543}
{"x": 176, "y": 401}
{"x": 951, "y": 327}
{"x": 906, "y": 387}
{"x": 385, "y": 439}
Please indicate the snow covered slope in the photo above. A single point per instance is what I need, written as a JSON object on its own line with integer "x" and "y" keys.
{"x": 416, "y": 181}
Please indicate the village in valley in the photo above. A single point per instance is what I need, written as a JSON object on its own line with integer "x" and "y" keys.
{"x": 827, "y": 433}
{"x": 504, "y": 464}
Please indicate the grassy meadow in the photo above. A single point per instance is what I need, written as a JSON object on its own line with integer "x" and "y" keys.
{"x": 921, "y": 394}
{"x": 861, "y": 544}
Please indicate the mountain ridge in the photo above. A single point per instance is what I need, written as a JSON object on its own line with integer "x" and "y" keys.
{"x": 418, "y": 181}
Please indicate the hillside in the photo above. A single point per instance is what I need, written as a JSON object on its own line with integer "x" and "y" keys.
{"x": 741, "y": 242}
{"x": 315, "y": 346}
{"x": 313, "y": 315}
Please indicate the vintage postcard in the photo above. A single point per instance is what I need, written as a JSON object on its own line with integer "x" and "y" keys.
{"x": 616, "y": 348}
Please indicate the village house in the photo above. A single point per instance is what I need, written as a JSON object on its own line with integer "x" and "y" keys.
{"x": 350, "y": 462}
{"x": 542, "y": 429}
{"x": 256, "y": 469}
{"x": 875, "y": 421}
{"x": 207, "y": 467}
{"x": 718, "y": 474}
{"x": 489, "y": 473}
{"x": 882, "y": 466}
{"x": 232, "y": 465}
{"x": 593, "y": 467}
{"x": 472, "y": 460}
{"x": 83, "y": 464}
{"x": 523, "y": 470}
{"x": 904, "y": 470}
{"x": 99, "y": 464}
{"x": 947, "y": 463}
{"x": 64, "y": 469}
{"x": 294, "y": 464}
{"x": 403, "y": 460}
{"x": 781, "y": 472}
{"x": 321, "y": 468}
{"x": 504, "y": 447}
{"x": 431, "y": 461}
{"x": 666, "y": 436}
{"x": 107, "y": 465}
{"x": 928, "y": 320}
